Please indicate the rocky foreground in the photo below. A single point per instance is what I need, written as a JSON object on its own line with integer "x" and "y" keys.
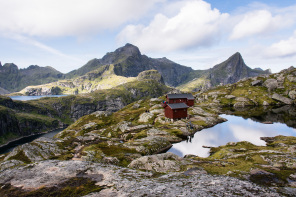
{"x": 43, "y": 178}
{"x": 119, "y": 154}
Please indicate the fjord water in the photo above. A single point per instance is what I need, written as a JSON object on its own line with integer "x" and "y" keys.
{"x": 237, "y": 129}
{"x": 26, "y": 98}
{"x": 11, "y": 145}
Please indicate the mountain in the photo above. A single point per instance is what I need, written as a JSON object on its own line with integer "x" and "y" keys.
{"x": 227, "y": 72}
{"x": 122, "y": 66}
{"x": 3, "y": 91}
{"x": 14, "y": 79}
{"x": 129, "y": 62}
{"x": 232, "y": 70}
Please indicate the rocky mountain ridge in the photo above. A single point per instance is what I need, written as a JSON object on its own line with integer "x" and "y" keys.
{"x": 14, "y": 79}
{"x": 127, "y": 61}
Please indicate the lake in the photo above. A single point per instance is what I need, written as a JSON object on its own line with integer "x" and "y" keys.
{"x": 234, "y": 130}
{"x": 26, "y": 98}
{"x": 9, "y": 147}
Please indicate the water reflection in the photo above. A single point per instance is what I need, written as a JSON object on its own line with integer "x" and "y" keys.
{"x": 27, "y": 98}
{"x": 234, "y": 130}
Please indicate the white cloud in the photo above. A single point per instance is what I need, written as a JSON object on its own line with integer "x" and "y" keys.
{"x": 256, "y": 22}
{"x": 68, "y": 17}
{"x": 283, "y": 48}
{"x": 196, "y": 24}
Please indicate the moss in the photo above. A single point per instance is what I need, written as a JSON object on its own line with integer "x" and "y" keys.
{"x": 21, "y": 156}
{"x": 77, "y": 186}
{"x": 199, "y": 122}
{"x": 141, "y": 134}
{"x": 8, "y": 137}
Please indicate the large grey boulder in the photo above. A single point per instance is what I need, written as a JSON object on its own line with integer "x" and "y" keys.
{"x": 257, "y": 83}
{"x": 149, "y": 145}
{"x": 291, "y": 78}
{"x": 282, "y": 99}
{"x": 166, "y": 162}
{"x": 145, "y": 117}
{"x": 292, "y": 94}
{"x": 271, "y": 84}
{"x": 230, "y": 96}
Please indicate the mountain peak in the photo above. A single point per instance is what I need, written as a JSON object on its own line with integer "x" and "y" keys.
{"x": 129, "y": 50}
{"x": 237, "y": 56}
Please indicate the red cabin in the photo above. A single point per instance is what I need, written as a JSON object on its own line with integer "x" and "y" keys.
{"x": 180, "y": 98}
{"x": 175, "y": 110}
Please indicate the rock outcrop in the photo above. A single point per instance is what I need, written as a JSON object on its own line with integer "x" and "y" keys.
{"x": 166, "y": 162}
{"x": 108, "y": 181}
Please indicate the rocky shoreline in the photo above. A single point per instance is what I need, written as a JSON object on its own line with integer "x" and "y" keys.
{"x": 116, "y": 154}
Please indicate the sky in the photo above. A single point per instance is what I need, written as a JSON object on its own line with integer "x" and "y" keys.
{"x": 66, "y": 34}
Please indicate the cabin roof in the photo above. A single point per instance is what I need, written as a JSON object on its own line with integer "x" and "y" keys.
{"x": 179, "y": 96}
{"x": 178, "y": 106}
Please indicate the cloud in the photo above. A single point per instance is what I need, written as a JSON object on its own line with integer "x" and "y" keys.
{"x": 283, "y": 48}
{"x": 256, "y": 22}
{"x": 68, "y": 17}
{"x": 195, "y": 24}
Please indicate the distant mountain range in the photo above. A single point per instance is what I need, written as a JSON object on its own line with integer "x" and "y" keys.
{"x": 14, "y": 79}
{"x": 122, "y": 66}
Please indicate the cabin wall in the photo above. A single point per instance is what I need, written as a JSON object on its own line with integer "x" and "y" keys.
{"x": 168, "y": 112}
{"x": 179, "y": 113}
{"x": 190, "y": 102}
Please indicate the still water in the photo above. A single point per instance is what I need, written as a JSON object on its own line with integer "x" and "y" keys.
{"x": 26, "y": 98}
{"x": 9, "y": 147}
{"x": 234, "y": 130}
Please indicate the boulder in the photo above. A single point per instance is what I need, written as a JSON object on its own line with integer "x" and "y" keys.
{"x": 166, "y": 162}
{"x": 291, "y": 78}
{"x": 145, "y": 117}
{"x": 265, "y": 103}
{"x": 292, "y": 94}
{"x": 149, "y": 145}
{"x": 230, "y": 96}
{"x": 282, "y": 99}
{"x": 156, "y": 132}
{"x": 242, "y": 99}
{"x": 157, "y": 111}
{"x": 271, "y": 84}
{"x": 257, "y": 83}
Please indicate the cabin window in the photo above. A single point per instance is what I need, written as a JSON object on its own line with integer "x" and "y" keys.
{"x": 184, "y": 110}
{"x": 175, "y": 110}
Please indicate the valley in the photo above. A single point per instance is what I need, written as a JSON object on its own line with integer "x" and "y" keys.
{"x": 115, "y": 133}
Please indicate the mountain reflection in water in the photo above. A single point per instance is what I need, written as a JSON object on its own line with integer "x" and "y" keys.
{"x": 247, "y": 128}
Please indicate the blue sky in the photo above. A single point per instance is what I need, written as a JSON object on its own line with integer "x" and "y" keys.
{"x": 65, "y": 34}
